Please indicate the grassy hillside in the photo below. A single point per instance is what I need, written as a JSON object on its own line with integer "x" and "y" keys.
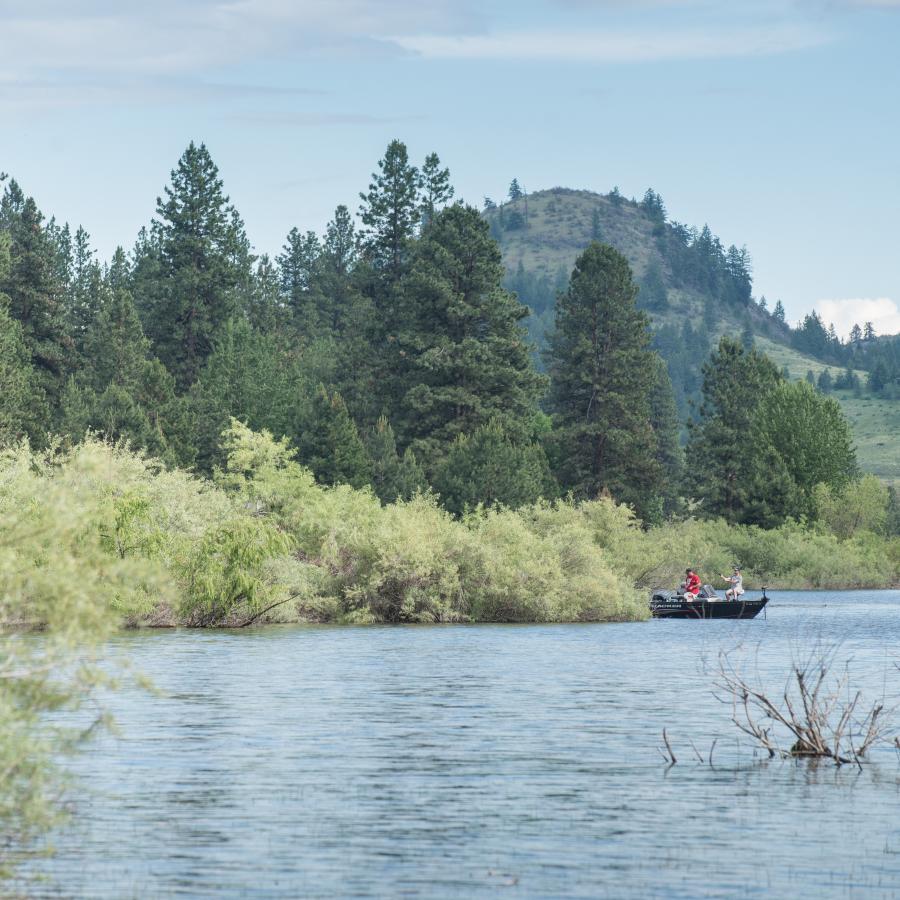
{"x": 550, "y": 228}
{"x": 559, "y": 223}
{"x": 559, "y": 227}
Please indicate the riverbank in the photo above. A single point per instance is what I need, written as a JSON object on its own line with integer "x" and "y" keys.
{"x": 262, "y": 542}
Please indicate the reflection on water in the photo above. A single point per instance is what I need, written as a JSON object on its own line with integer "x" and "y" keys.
{"x": 477, "y": 761}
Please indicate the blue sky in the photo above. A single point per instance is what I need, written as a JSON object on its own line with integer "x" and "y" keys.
{"x": 775, "y": 122}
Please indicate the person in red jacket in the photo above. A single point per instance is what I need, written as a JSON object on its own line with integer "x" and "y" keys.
{"x": 691, "y": 584}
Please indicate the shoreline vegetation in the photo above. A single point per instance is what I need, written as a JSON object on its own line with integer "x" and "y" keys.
{"x": 261, "y": 542}
{"x": 359, "y": 431}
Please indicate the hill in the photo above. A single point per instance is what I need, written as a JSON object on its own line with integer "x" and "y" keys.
{"x": 693, "y": 288}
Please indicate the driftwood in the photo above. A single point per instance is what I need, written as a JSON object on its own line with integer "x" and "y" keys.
{"x": 816, "y": 716}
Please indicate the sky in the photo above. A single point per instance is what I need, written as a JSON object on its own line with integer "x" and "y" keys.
{"x": 775, "y": 121}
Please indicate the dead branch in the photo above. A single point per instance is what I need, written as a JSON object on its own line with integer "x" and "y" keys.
{"x": 815, "y": 717}
{"x": 269, "y": 608}
{"x": 669, "y": 748}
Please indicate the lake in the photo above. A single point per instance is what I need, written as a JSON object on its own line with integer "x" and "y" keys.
{"x": 478, "y": 761}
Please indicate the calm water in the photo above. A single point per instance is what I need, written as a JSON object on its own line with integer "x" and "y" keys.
{"x": 488, "y": 761}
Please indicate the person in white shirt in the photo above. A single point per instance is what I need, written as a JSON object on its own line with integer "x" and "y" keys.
{"x": 737, "y": 584}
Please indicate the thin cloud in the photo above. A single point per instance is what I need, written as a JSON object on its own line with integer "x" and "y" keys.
{"x": 617, "y": 46}
{"x": 882, "y": 312}
{"x": 48, "y": 93}
{"x": 175, "y": 37}
{"x": 306, "y": 120}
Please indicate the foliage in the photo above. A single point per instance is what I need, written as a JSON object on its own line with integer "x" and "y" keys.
{"x": 602, "y": 373}
{"x": 30, "y": 280}
{"x": 859, "y": 506}
{"x": 56, "y": 511}
{"x": 459, "y": 353}
{"x": 247, "y": 376}
{"x": 731, "y": 472}
{"x": 329, "y": 443}
{"x": 390, "y": 211}
{"x": 23, "y": 407}
{"x": 812, "y": 438}
{"x": 188, "y": 275}
{"x": 491, "y": 467}
{"x": 393, "y": 476}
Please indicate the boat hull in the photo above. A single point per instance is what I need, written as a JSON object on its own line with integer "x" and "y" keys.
{"x": 678, "y": 608}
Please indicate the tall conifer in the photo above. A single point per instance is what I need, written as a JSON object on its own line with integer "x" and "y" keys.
{"x": 602, "y": 372}
{"x": 203, "y": 266}
{"x": 458, "y": 353}
{"x": 390, "y": 211}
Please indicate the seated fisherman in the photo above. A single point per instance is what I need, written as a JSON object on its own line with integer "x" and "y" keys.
{"x": 692, "y": 584}
{"x": 737, "y": 584}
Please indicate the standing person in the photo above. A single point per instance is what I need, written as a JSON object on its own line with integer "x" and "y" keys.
{"x": 737, "y": 583}
{"x": 691, "y": 584}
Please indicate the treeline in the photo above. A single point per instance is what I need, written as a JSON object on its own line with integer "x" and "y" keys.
{"x": 879, "y": 357}
{"x": 389, "y": 354}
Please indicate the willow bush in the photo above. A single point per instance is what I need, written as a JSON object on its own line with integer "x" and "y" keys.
{"x": 60, "y": 567}
{"x": 262, "y": 541}
{"x": 96, "y": 536}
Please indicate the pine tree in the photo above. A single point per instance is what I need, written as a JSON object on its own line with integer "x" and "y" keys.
{"x": 84, "y": 290}
{"x": 868, "y": 332}
{"x": 390, "y": 212}
{"x": 23, "y": 406}
{"x": 615, "y": 196}
{"x": 246, "y": 377}
{"x": 121, "y": 391}
{"x": 856, "y": 334}
{"x": 115, "y": 346}
{"x": 653, "y": 294}
{"x": 118, "y": 274}
{"x": 778, "y": 312}
{"x": 265, "y": 309}
{"x": 394, "y": 477}
{"x": 878, "y": 377}
{"x": 596, "y": 230}
{"x": 491, "y": 467}
{"x": 298, "y": 266}
{"x": 458, "y": 356}
{"x": 515, "y": 190}
{"x": 653, "y": 205}
{"x": 435, "y": 187}
{"x": 330, "y": 445}
{"x": 200, "y": 266}
{"x": 825, "y": 382}
{"x": 341, "y": 305}
{"x": 36, "y": 295}
{"x": 602, "y": 374}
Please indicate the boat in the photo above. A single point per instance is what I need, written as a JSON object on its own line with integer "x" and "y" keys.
{"x": 707, "y": 605}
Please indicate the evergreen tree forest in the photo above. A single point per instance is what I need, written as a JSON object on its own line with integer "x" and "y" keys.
{"x": 392, "y": 353}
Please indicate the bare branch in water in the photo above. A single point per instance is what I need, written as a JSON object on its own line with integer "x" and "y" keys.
{"x": 816, "y": 714}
